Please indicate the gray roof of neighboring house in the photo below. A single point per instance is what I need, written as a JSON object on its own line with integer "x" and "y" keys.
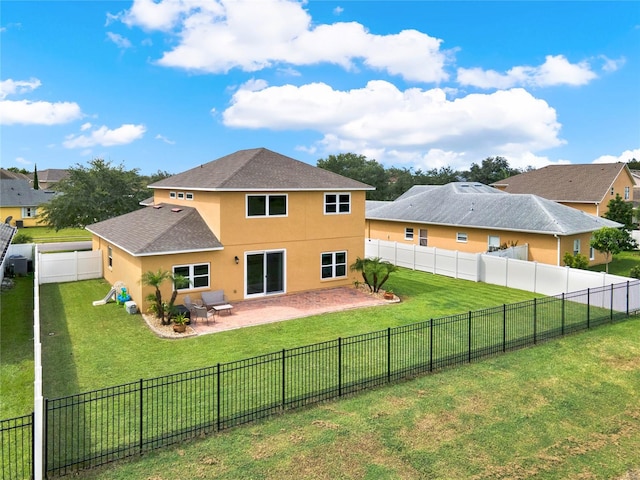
{"x": 467, "y": 204}
{"x": 157, "y": 230}
{"x": 585, "y": 183}
{"x": 258, "y": 169}
{"x": 51, "y": 175}
{"x": 18, "y": 193}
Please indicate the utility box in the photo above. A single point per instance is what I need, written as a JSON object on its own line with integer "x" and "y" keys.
{"x": 131, "y": 307}
{"x": 20, "y": 264}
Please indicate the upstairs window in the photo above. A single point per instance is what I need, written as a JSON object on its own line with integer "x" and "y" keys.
{"x": 266, "y": 205}
{"x": 110, "y": 256}
{"x": 627, "y": 192}
{"x": 337, "y": 203}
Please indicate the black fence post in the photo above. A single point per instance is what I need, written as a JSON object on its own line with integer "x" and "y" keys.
{"x": 284, "y": 388}
{"x": 627, "y": 298}
{"x": 588, "y": 308}
{"x": 141, "y": 424}
{"x": 469, "y": 340}
{"x": 563, "y": 306}
{"x": 611, "y": 309}
{"x": 218, "y": 423}
{"x": 431, "y": 345}
{"x": 388, "y": 354}
{"x": 504, "y": 327}
{"x": 339, "y": 366}
{"x": 535, "y": 321}
{"x": 45, "y": 439}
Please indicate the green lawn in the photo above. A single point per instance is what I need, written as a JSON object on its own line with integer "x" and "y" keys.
{"x": 621, "y": 264}
{"x": 87, "y": 347}
{"x": 16, "y": 349}
{"x": 567, "y": 409}
{"x": 46, "y": 234}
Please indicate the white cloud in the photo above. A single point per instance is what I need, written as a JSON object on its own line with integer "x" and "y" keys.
{"x": 119, "y": 40}
{"x": 165, "y": 139}
{"x": 16, "y": 87}
{"x": 556, "y": 70}
{"x": 611, "y": 65}
{"x": 403, "y": 126}
{"x": 216, "y": 36}
{"x": 623, "y": 157}
{"x": 22, "y": 161}
{"x": 106, "y": 137}
{"x": 26, "y": 112}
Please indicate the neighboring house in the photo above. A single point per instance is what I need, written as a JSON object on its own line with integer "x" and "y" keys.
{"x": 587, "y": 187}
{"x": 21, "y": 202}
{"x": 48, "y": 178}
{"x": 252, "y": 223}
{"x": 475, "y": 218}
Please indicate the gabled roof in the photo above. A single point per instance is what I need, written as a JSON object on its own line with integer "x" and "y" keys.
{"x": 158, "y": 230}
{"x": 258, "y": 169}
{"x": 9, "y": 175}
{"x": 476, "y": 205}
{"x": 585, "y": 183}
{"x": 51, "y": 175}
{"x": 18, "y": 193}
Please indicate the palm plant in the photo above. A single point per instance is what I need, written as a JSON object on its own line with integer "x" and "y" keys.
{"x": 155, "y": 280}
{"x": 375, "y": 271}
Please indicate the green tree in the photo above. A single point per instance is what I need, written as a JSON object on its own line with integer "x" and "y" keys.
{"x": 94, "y": 193}
{"x": 633, "y": 164}
{"x": 610, "y": 241}
{"x": 491, "y": 170}
{"x": 358, "y": 167}
{"x": 375, "y": 271}
{"x": 440, "y": 176}
{"x": 36, "y": 185}
{"x": 620, "y": 211}
{"x": 23, "y": 171}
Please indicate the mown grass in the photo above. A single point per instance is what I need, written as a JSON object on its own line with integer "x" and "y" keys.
{"x": 46, "y": 234}
{"x": 565, "y": 409}
{"x": 621, "y": 264}
{"x": 87, "y": 347}
{"x": 16, "y": 349}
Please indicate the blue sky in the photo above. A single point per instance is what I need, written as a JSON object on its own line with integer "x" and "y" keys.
{"x": 168, "y": 85}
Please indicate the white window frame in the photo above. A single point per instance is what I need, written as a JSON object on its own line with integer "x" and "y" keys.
{"x": 462, "y": 237}
{"x": 408, "y": 233}
{"x": 493, "y": 246}
{"x": 338, "y": 204}
{"x": 612, "y": 190}
{"x": 627, "y": 193}
{"x": 109, "y": 257}
{"x": 423, "y": 241}
{"x": 180, "y": 195}
{"x": 189, "y": 195}
{"x": 192, "y": 276}
{"x": 29, "y": 212}
{"x": 576, "y": 246}
{"x": 334, "y": 265}
{"x": 592, "y": 253}
{"x": 172, "y": 194}
{"x": 267, "y": 213}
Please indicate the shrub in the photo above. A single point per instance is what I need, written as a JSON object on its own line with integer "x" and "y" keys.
{"x": 635, "y": 272}
{"x": 576, "y": 260}
{"x": 22, "y": 238}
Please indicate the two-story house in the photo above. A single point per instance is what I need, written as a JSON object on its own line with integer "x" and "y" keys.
{"x": 252, "y": 223}
{"x": 587, "y": 187}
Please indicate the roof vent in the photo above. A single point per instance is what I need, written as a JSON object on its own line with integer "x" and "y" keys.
{"x": 176, "y": 210}
{"x": 157, "y": 207}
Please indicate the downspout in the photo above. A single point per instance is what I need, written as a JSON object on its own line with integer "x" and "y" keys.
{"x": 558, "y": 249}
{"x": 597, "y": 209}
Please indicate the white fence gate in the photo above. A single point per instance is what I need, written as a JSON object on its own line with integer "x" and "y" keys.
{"x": 478, "y": 267}
{"x": 69, "y": 266}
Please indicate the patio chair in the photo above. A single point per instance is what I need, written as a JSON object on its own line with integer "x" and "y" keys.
{"x": 199, "y": 312}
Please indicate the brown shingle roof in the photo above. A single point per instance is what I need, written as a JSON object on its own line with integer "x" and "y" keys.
{"x": 259, "y": 169}
{"x": 585, "y": 183}
{"x": 158, "y": 230}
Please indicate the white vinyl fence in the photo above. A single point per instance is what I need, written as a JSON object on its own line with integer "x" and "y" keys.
{"x": 69, "y": 266}
{"x": 478, "y": 267}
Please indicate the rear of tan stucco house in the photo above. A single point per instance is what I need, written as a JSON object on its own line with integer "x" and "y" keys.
{"x": 588, "y": 187}
{"x": 476, "y": 218}
{"x": 253, "y": 223}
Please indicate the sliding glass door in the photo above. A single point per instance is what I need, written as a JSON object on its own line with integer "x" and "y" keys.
{"x": 265, "y": 273}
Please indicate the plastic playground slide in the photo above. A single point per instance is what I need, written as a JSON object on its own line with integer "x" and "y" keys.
{"x": 111, "y": 293}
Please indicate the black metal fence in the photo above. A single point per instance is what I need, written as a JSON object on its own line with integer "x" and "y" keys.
{"x": 16, "y": 447}
{"x": 94, "y": 428}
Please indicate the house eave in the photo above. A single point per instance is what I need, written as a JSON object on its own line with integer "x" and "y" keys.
{"x": 314, "y": 189}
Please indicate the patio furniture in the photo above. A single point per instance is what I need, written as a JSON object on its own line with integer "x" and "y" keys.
{"x": 221, "y": 308}
{"x": 198, "y": 312}
{"x": 213, "y": 298}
